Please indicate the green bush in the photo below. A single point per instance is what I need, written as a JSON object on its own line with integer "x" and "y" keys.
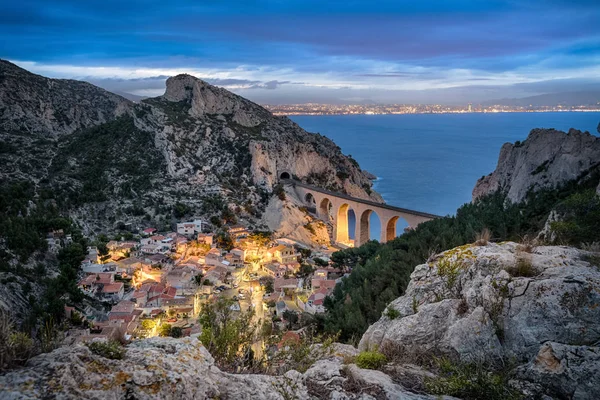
{"x": 176, "y": 332}
{"x": 111, "y": 349}
{"x": 470, "y": 382}
{"x": 370, "y": 360}
{"x": 391, "y": 312}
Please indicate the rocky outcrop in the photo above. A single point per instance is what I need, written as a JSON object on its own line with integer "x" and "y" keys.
{"x": 288, "y": 219}
{"x": 164, "y": 368}
{"x": 547, "y": 159}
{"x": 537, "y": 307}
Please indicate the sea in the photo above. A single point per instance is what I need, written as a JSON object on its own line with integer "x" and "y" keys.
{"x": 430, "y": 162}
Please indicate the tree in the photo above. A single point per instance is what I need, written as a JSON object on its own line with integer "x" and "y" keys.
{"x": 228, "y": 216}
{"x": 228, "y": 338}
{"x": 198, "y": 279}
{"x": 261, "y": 238}
{"x": 165, "y": 330}
{"x": 291, "y": 317}
{"x": 320, "y": 262}
{"x": 180, "y": 210}
{"x": 148, "y": 324}
{"x": 176, "y": 332}
{"x": 224, "y": 241}
{"x": 268, "y": 283}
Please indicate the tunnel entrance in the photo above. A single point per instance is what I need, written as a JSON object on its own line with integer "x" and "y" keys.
{"x": 285, "y": 175}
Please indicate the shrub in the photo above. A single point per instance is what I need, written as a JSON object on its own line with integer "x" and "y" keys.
{"x": 370, "y": 360}
{"x": 391, "y": 313}
{"x": 279, "y": 191}
{"x": 483, "y": 237}
{"x": 470, "y": 382}
{"x": 522, "y": 267}
{"x": 111, "y": 349}
{"x": 164, "y": 330}
{"x": 176, "y": 332}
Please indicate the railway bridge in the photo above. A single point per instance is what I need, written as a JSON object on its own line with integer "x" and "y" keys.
{"x": 333, "y": 208}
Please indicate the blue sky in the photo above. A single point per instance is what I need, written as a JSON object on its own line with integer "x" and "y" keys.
{"x": 292, "y": 51}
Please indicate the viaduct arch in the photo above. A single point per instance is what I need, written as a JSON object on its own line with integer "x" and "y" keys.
{"x": 333, "y": 208}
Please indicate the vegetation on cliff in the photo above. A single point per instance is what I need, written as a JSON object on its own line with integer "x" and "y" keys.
{"x": 381, "y": 272}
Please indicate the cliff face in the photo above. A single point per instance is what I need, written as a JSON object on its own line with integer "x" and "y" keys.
{"x": 482, "y": 304}
{"x": 546, "y": 159}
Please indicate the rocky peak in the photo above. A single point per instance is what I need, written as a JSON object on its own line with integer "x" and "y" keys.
{"x": 208, "y": 99}
{"x": 546, "y": 159}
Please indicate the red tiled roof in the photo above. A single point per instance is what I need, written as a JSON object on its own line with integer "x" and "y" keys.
{"x": 113, "y": 288}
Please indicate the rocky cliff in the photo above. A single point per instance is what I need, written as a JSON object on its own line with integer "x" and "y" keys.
{"x": 183, "y": 369}
{"x": 498, "y": 303}
{"x": 546, "y": 159}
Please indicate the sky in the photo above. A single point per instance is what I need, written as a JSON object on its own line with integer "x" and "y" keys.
{"x": 319, "y": 51}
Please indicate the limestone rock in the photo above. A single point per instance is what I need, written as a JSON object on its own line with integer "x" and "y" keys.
{"x": 466, "y": 305}
{"x": 569, "y": 370}
{"x": 546, "y": 159}
{"x": 166, "y": 368}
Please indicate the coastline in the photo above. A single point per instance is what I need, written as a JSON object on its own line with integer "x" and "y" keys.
{"x": 282, "y": 114}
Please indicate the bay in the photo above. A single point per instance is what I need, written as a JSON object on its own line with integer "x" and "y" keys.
{"x": 430, "y": 162}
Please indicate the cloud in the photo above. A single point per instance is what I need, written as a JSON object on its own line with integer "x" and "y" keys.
{"x": 301, "y": 47}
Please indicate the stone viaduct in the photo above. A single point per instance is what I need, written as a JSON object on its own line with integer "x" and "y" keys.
{"x": 333, "y": 208}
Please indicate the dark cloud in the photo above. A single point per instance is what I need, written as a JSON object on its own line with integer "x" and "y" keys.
{"x": 309, "y": 38}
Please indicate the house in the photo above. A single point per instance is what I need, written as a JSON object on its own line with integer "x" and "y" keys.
{"x": 93, "y": 283}
{"x": 181, "y": 305}
{"x": 234, "y": 260}
{"x": 238, "y": 231}
{"x": 282, "y": 284}
{"x": 157, "y": 239}
{"x": 280, "y": 308}
{"x": 124, "y": 310}
{"x": 206, "y": 238}
{"x": 149, "y": 231}
{"x": 320, "y": 274}
{"x": 186, "y": 228}
{"x": 157, "y": 299}
{"x": 189, "y": 228}
{"x": 282, "y": 254}
{"x": 182, "y": 280}
{"x": 129, "y": 265}
{"x": 113, "y": 292}
{"x": 318, "y": 283}
{"x": 213, "y": 257}
{"x": 315, "y": 301}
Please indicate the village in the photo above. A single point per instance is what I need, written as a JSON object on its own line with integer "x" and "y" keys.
{"x": 156, "y": 283}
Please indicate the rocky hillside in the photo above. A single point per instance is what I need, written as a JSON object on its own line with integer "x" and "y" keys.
{"x": 530, "y": 312}
{"x": 109, "y": 161}
{"x": 536, "y": 307}
{"x": 548, "y": 158}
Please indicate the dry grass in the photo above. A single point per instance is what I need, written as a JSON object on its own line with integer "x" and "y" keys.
{"x": 523, "y": 267}
{"x": 483, "y": 237}
{"x": 527, "y": 245}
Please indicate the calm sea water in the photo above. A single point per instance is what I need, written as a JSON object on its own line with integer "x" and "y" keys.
{"x": 430, "y": 162}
